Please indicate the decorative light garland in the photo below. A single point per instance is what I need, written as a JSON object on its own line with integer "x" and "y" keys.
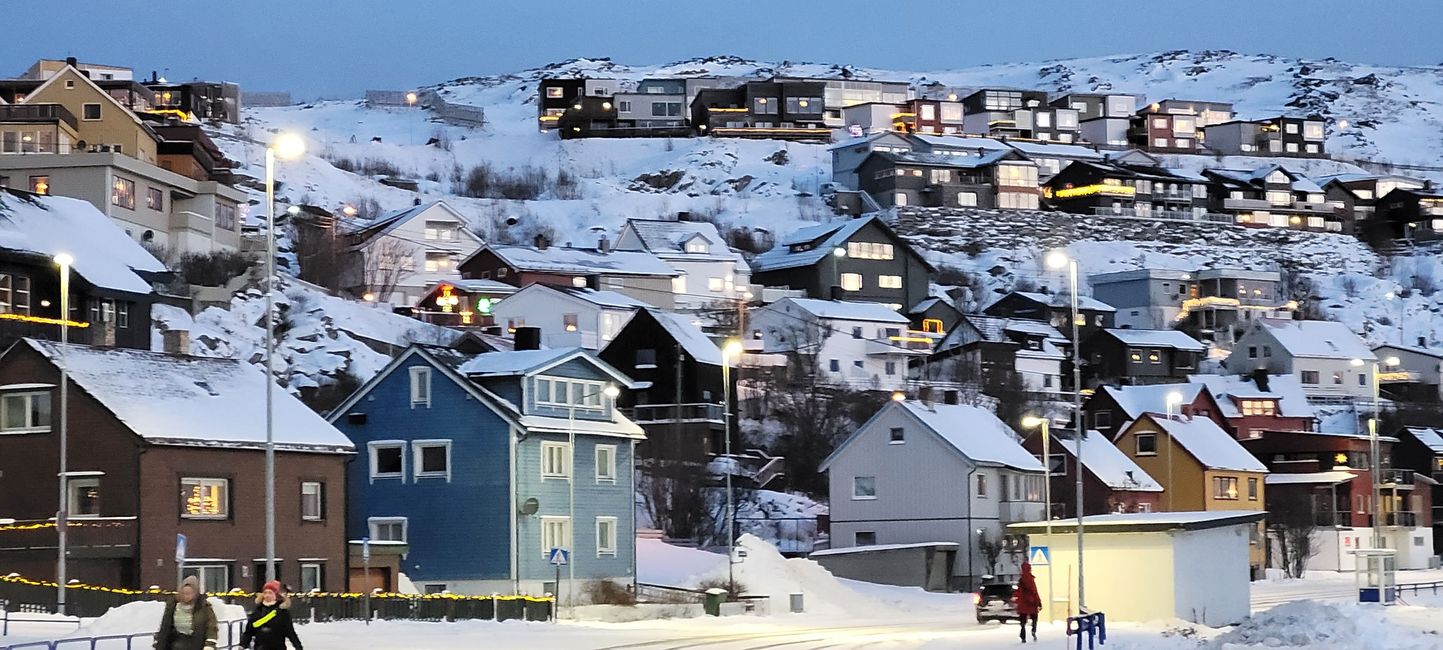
{"x": 241, "y": 593}
{"x": 25, "y": 318}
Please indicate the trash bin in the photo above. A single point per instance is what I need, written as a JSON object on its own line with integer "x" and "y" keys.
{"x": 796, "y": 603}
{"x": 711, "y": 603}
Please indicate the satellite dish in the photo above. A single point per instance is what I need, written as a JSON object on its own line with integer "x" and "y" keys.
{"x": 530, "y": 506}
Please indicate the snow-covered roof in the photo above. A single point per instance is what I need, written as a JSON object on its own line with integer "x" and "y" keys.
{"x": 1147, "y": 520}
{"x": 603, "y": 297}
{"x": 517, "y": 362}
{"x": 389, "y": 221}
{"x": 1156, "y": 339}
{"x": 1304, "y": 184}
{"x": 670, "y": 237}
{"x": 478, "y": 286}
{"x": 875, "y": 548}
{"x": 182, "y": 400}
{"x": 1209, "y": 444}
{"x": 1318, "y": 338}
{"x": 1045, "y": 150}
{"x": 826, "y": 237}
{"x": 1065, "y": 300}
{"x": 1150, "y": 398}
{"x": 960, "y": 142}
{"x": 1286, "y": 389}
{"x": 1431, "y": 438}
{"x": 48, "y": 225}
{"x": 691, "y": 338}
{"x": 944, "y": 160}
{"x": 1429, "y": 352}
{"x": 848, "y": 310}
{"x": 975, "y": 432}
{"x": 1309, "y": 478}
{"x": 582, "y": 261}
{"x": 1105, "y": 461}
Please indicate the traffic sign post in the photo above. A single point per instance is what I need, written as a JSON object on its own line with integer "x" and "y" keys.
{"x": 366, "y": 570}
{"x": 180, "y": 547}
{"x": 1039, "y": 555}
{"x": 558, "y": 557}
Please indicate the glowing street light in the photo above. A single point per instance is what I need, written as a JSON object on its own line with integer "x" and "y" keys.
{"x": 1034, "y": 422}
{"x": 731, "y": 350}
{"x": 62, "y": 523}
{"x": 1058, "y": 259}
{"x": 1174, "y": 398}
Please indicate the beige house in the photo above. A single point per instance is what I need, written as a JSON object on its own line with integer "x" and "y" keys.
{"x": 403, "y": 254}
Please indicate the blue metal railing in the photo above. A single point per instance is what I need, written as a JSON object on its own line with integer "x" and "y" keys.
{"x": 1093, "y": 625}
{"x": 227, "y": 639}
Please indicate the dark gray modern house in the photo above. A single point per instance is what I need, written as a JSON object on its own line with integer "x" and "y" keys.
{"x": 858, "y": 259}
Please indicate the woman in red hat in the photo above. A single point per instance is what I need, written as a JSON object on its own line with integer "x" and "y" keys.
{"x": 1029, "y": 603}
{"x": 269, "y": 625}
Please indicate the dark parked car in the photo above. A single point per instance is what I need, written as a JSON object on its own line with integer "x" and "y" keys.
{"x": 994, "y": 603}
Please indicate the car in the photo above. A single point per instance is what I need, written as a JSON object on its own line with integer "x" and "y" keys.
{"x": 993, "y": 602}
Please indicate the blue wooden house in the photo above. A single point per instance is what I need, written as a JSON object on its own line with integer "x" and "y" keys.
{"x": 467, "y": 461}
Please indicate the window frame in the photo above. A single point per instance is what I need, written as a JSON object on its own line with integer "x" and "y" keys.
{"x": 320, "y": 576}
{"x": 1137, "y": 443}
{"x": 375, "y": 446}
{"x": 897, "y": 436}
{"x": 200, "y": 571}
{"x": 850, "y": 281}
{"x": 1220, "y": 485}
{"x": 154, "y": 198}
{"x": 610, "y": 465}
{"x": 223, "y": 500}
{"x": 122, "y": 193}
{"x": 85, "y": 112}
{"x": 29, "y": 399}
{"x": 372, "y": 529}
{"x": 420, "y": 377}
{"x": 857, "y": 538}
{"x": 566, "y": 541}
{"x": 418, "y": 448}
{"x": 606, "y": 544}
{"x": 71, "y": 502}
{"x": 549, "y": 447}
{"x": 320, "y": 500}
{"x": 858, "y": 494}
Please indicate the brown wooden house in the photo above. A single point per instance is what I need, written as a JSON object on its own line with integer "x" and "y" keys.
{"x": 163, "y": 444}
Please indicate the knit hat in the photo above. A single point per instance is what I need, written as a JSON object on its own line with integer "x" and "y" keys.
{"x": 273, "y": 586}
{"x": 192, "y": 582}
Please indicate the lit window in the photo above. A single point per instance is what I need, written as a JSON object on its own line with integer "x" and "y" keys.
{"x": 569, "y": 322}
{"x": 967, "y": 199}
{"x": 122, "y": 193}
{"x": 204, "y": 498}
{"x": 578, "y": 282}
{"x": 1259, "y": 407}
{"x": 312, "y": 500}
{"x": 439, "y": 261}
{"x": 1154, "y": 356}
{"x": 440, "y": 231}
{"x": 554, "y": 92}
{"x": 154, "y": 198}
{"x": 25, "y": 412}
{"x": 14, "y": 294}
{"x": 1225, "y": 488}
{"x": 715, "y": 284}
{"x": 933, "y": 325}
{"x": 864, "y": 487}
{"x": 869, "y": 251}
{"x": 889, "y": 281}
{"x": 554, "y": 457}
{"x": 851, "y": 281}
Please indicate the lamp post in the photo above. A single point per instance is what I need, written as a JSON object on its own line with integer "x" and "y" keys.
{"x": 1031, "y": 422}
{"x": 1058, "y": 260}
{"x": 287, "y": 146}
{"x": 837, "y": 254}
{"x": 732, "y": 350}
{"x": 1173, "y": 397}
{"x": 1402, "y": 307}
{"x": 610, "y": 392}
{"x": 1374, "y": 463}
{"x": 62, "y": 515}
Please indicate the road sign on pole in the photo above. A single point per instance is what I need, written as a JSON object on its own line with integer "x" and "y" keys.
{"x": 559, "y": 557}
{"x": 180, "y": 544}
{"x": 1039, "y": 555}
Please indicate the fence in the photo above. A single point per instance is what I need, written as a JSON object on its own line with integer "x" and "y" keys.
{"x": 454, "y": 114}
{"x": 791, "y": 535}
{"x": 1417, "y": 588}
{"x": 227, "y": 638}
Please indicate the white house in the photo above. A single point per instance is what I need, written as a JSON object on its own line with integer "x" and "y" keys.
{"x": 918, "y": 472}
{"x": 711, "y": 272}
{"x": 424, "y": 244}
{"x": 1321, "y": 354}
{"x": 1418, "y": 373}
{"x": 567, "y": 316}
{"x": 861, "y": 345}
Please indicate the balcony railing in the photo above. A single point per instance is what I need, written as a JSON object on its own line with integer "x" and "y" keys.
{"x": 1161, "y": 215}
{"x": 1396, "y": 479}
{"x": 39, "y": 113}
{"x": 1401, "y": 519}
{"x": 1014, "y": 511}
{"x": 86, "y": 537}
{"x": 672, "y": 413}
{"x": 1333, "y": 518}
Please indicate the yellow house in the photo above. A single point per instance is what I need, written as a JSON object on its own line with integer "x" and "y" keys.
{"x": 98, "y": 119}
{"x": 1200, "y": 466}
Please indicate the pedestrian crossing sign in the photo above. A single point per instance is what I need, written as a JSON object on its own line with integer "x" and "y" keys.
{"x": 559, "y": 556}
{"x": 1039, "y": 555}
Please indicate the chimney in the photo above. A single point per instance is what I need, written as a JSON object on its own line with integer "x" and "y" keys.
{"x": 107, "y": 335}
{"x": 683, "y": 216}
{"x": 70, "y": 61}
{"x": 603, "y": 245}
{"x": 540, "y": 241}
{"x": 527, "y": 338}
{"x": 1260, "y": 378}
{"x": 952, "y": 397}
{"x": 176, "y": 341}
{"x": 1422, "y": 341}
{"x": 416, "y": 201}
{"x": 924, "y": 394}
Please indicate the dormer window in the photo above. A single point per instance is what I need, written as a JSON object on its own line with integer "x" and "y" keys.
{"x": 698, "y": 245}
{"x": 1259, "y": 407}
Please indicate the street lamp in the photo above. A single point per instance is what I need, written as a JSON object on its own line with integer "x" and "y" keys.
{"x": 1058, "y": 260}
{"x": 1173, "y": 397}
{"x": 1402, "y": 308}
{"x": 62, "y": 516}
{"x": 286, "y": 146}
{"x": 610, "y": 392}
{"x": 1034, "y": 422}
{"x": 1374, "y": 463}
{"x": 730, "y": 351}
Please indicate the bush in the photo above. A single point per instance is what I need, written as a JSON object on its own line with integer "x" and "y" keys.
{"x": 364, "y": 166}
{"x": 525, "y": 184}
{"x": 606, "y": 592}
{"x": 721, "y": 583}
{"x": 212, "y": 269}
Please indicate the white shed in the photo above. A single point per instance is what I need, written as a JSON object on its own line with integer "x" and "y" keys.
{"x": 1149, "y": 566}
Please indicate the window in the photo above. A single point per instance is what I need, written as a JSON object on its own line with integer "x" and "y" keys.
{"x": 555, "y": 533}
{"x": 122, "y": 193}
{"x": 439, "y": 261}
{"x": 1310, "y": 377}
{"x": 1313, "y": 131}
{"x": 864, "y": 488}
{"x": 420, "y": 387}
{"x": 569, "y": 322}
{"x": 1291, "y": 127}
{"x": 1102, "y": 419}
{"x": 90, "y": 112}
{"x": 1159, "y": 142}
{"x": 606, "y": 463}
{"x": 834, "y": 365}
{"x": 1154, "y": 356}
{"x": 40, "y": 184}
{"x": 312, "y": 501}
{"x": 605, "y": 536}
{"x": 25, "y": 412}
{"x": 14, "y": 294}
{"x": 554, "y": 457}
{"x": 1017, "y": 200}
{"x": 864, "y": 538}
{"x": 936, "y": 176}
{"x": 432, "y": 459}
{"x": 225, "y": 216}
{"x": 1146, "y": 444}
{"x": 1277, "y": 197}
{"x": 558, "y": 392}
{"x": 1362, "y": 379}
{"x": 697, "y": 246}
{"x": 1135, "y": 355}
{"x": 214, "y": 578}
{"x": 933, "y": 325}
{"x": 84, "y": 498}
{"x": 851, "y": 281}
{"x": 312, "y": 577}
{"x": 715, "y": 284}
{"x": 857, "y": 332}
{"x": 898, "y": 435}
{"x": 204, "y": 498}
{"x": 858, "y": 364}
{"x": 765, "y": 106}
{"x": 967, "y": 199}
{"x": 645, "y": 358}
{"x": 1259, "y": 407}
{"x": 900, "y": 199}
{"x": 389, "y": 529}
{"x": 890, "y": 368}
{"x": 982, "y": 485}
{"x": 889, "y": 281}
{"x": 1225, "y": 488}
{"x": 1252, "y": 489}
{"x": 554, "y": 92}
{"x": 1267, "y": 351}
{"x": 387, "y": 460}
{"x": 440, "y": 231}
{"x": 623, "y": 106}
{"x": 154, "y": 198}
{"x": 1337, "y": 378}
{"x": 860, "y": 250}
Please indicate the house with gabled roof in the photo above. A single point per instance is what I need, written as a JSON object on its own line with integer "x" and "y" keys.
{"x": 712, "y": 273}
{"x": 1111, "y": 408}
{"x": 1271, "y": 195}
{"x": 859, "y": 259}
{"x": 638, "y": 274}
{"x": 861, "y": 345}
{"x": 1420, "y": 449}
{"x": 567, "y": 316}
{"x": 1320, "y": 354}
{"x": 1139, "y": 356}
{"x": 926, "y": 472}
{"x": 161, "y": 444}
{"x": 1055, "y": 309}
{"x": 424, "y": 243}
{"x": 482, "y": 464}
{"x": 993, "y": 351}
{"x": 1002, "y": 178}
{"x": 1112, "y": 482}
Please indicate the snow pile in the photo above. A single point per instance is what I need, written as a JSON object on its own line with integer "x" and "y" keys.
{"x": 144, "y": 618}
{"x": 765, "y": 572}
{"x": 660, "y": 563}
{"x": 1322, "y": 626}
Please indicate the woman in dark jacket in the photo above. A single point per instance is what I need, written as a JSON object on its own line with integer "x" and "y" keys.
{"x": 189, "y": 622}
{"x": 270, "y": 625}
{"x": 1029, "y": 603}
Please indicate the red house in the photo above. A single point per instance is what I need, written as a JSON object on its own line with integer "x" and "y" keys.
{"x": 1112, "y": 483}
{"x": 1253, "y": 404}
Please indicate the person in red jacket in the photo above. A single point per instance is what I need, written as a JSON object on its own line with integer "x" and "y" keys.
{"x": 1028, "y": 602}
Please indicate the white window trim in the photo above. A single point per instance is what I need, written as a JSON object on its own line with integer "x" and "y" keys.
{"x": 1137, "y": 444}
{"x": 405, "y": 522}
{"x": 566, "y": 460}
{"x": 610, "y": 477}
{"x": 856, "y": 497}
{"x": 225, "y": 510}
{"x": 590, "y": 388}
{"x": 320, "y": 575}
{"x": 321, "y": 496}
{"x": 29, "y": 396}
{"x": 70, "y": 494}
{"x": 420, "y": 373}
{"x": 417, "y": 446}
{"x": 604, "y": 546}
{"x": 373, "y": 446}
{"x": 566, "y": 535}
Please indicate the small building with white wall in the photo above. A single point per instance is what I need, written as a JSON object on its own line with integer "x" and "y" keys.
{"x": 1148, "y": 566}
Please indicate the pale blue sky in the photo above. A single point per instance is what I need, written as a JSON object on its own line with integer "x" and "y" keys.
{"x": 341, "y": 47}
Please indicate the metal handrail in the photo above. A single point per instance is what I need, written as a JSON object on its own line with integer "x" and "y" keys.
{"x": 229, "y": 641}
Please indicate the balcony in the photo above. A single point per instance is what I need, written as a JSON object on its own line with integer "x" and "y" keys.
{"x": 100, "y": 537}
{"x": 910, "y": 343}
{"x": 38, "y": 114}
{"x": 1401, "y": 519}
{"x": 1396, "y": 479}
{"x": 1248, "y": 204}
{"x": 644, "y": 414}
{"x": 1332, "y": 518}
{"x": 1015, "y": 511}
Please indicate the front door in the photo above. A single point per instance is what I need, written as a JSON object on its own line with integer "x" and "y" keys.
{"x": 379, "y": 578}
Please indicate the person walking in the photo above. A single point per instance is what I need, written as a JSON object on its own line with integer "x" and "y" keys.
{"x": 270, "y": 625}
{"x": 1029, "y": 603}
{"x": 189, "y": 621}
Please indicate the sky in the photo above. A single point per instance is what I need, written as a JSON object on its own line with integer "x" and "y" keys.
{"x": 339, "y": 48}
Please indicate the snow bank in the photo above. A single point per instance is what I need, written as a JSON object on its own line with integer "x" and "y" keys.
{"x": 765, "y": 572}
{"x": 1321, "y": 626}
{"x": 660, "y": 563}
{"x": 144, "y": 617}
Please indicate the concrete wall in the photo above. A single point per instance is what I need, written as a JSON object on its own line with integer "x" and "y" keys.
{"x": 921, "y": 566}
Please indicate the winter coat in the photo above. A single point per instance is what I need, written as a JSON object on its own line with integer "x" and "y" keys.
{"x": 204, "y": 628}
{"x": 268, "y": 626}
{"x": 1029, "y": 603}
